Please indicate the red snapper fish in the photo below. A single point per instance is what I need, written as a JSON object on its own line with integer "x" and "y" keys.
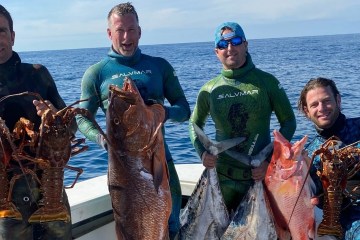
{"x": 289, "y": 190}
{"x": 138, "y": 176}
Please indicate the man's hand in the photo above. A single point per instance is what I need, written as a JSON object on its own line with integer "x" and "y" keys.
{"x": 208, "y": 160}
{"x": 314, "y": 201}
{"x": 42, "y": 106}
{"x": 260, "y": 172}
{"x": 101, "y": 141}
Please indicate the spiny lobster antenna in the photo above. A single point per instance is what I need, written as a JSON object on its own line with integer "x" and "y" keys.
{"x": 38, "y": 96}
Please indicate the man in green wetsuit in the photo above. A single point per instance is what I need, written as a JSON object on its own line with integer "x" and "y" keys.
{"x": 240, "y": 101}
{"x": 155, "y": 78}
{"x": 17, "y": 77}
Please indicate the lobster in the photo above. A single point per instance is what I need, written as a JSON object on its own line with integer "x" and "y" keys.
{"x": 50, "y": 149}
{"x": 337, "y": 166}
{"x": 7, "y": 209}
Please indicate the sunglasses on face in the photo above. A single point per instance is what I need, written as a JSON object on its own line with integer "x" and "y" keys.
{"x": 236, "y": 41}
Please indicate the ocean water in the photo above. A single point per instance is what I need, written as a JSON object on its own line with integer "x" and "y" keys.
{"x": 292, "y": 60}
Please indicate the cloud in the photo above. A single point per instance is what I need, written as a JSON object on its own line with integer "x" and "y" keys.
{"x": 73, "y": 23}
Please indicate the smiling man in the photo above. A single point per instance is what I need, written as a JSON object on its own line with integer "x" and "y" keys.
{"x": 240, "y": 102}
{"x": 320, "y": 102}
{"x": 21, "y": 207}
{"x": 154, "y": 77}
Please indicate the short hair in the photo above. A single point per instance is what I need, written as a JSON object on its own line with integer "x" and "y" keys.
{"x": 122, "y": 9}
{"x": 312, "y": 84}
{"x": 8, "y": 17}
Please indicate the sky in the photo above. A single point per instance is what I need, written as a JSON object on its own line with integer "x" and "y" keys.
{"x": 70, "y": 24}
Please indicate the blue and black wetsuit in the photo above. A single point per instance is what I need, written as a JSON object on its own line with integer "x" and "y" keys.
{"x": 156, "y": 80}
{"x": 17, "y": 77}
{"x": 348, "y": 131}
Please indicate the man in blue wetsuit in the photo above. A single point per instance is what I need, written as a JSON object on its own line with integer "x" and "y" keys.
{"x": 17, "y": 215}
{"x": 320, "y": 102}
{"x": 154, "y": 76}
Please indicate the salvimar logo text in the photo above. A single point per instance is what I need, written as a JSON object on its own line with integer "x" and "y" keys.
{"x": 238, "y": 94}
{"x": 130, "y": 74}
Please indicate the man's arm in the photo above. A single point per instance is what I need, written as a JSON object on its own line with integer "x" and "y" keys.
{"x": 283, "y": 111}
{"x": 92, "y": 102}
{"x": 179, "y": 111}
{"x": 198, "y": 117}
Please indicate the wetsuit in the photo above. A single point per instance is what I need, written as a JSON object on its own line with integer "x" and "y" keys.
{"x": 240, "y": 103}
{"x": 156, "y": 80}
{"x": 348, "y": 131}
{"x": 17, "y": 77}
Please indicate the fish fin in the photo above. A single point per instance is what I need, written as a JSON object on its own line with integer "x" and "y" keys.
{"x": 262, "y": 155}
{"x": 298, "y": 146}
{"x": 215, "y": 147}
{"x": 205, "y": 140}
{"x": 280, "y": 142}
{"x": 158, "y": 170}
{"x": 228, "y": 143}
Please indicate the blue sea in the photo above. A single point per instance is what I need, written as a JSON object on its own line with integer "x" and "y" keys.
{"x": 292, "y": 60}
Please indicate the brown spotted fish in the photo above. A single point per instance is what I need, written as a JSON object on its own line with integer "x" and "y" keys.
{"x": 138, "y": 174}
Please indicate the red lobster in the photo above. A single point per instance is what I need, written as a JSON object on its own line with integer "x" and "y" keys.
{"x": 337, "y": 165}
{"x": 52, "y": 149}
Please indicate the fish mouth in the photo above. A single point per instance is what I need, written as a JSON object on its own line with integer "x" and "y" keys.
{"x": 126, "y": 93}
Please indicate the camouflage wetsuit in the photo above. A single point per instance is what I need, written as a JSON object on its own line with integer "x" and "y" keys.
{"x": 17, "y": 77}
{"x": 240, "y": 103}
{"x": 348, "y": 130}
{"x": 156, "y": 80}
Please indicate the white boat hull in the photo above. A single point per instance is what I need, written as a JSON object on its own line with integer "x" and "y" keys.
{"x": 91, "y": 210}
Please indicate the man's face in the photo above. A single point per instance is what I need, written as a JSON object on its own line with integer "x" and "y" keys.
{"x": 7, "y": 39}
{"x": 322, "y": 107}
{"x": 233, "y": 56}
{"x": 124, "y": 33}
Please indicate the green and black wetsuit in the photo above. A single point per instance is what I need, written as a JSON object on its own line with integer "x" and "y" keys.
{"x": 240, "y": 103}
{"x": 17, "y": 77}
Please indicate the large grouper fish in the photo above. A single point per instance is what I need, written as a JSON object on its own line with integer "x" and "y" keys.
{"x": 138, "y": 176}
